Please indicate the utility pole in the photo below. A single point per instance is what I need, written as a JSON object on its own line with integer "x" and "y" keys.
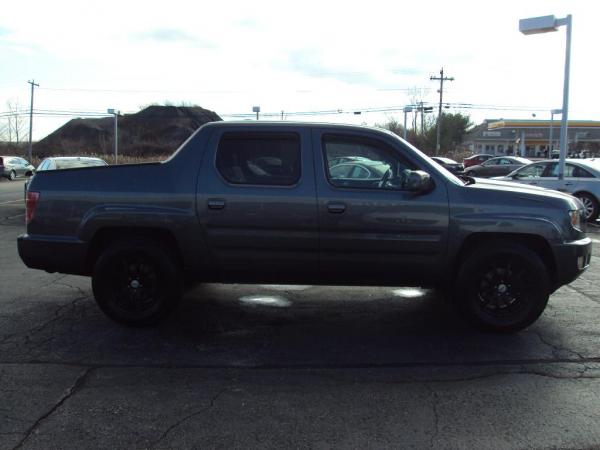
{"x": 442, "y": 78}
{"x": 33, "y": 84}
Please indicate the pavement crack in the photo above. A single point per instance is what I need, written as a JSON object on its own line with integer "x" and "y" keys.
{"x": 557, "y": 349}
{"x": 188, "y": 417}
{"x": 77, "y": 288}
{"x": 77, "y": 385}
{"x": 40, "y": 327}
{"x": 436, "y": 417}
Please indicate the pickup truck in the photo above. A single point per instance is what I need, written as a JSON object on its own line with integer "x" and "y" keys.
{"x": 305, "y": 203}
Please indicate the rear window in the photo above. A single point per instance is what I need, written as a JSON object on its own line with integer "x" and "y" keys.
{"x": 74, "y": 163}
{"x": 269, "y": 159}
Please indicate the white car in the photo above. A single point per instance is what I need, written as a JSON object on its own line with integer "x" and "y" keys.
{"x": 581, "y": 179}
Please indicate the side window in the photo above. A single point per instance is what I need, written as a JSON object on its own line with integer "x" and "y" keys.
{"x": 580, "y": 172}
{"x": 269, "y": 159}
{"x": 363, "y": 163}
{"x": 532, "y": 171}
{"x": 570, "y": 170}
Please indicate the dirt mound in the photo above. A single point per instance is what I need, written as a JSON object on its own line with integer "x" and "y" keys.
{"x": 152, "y": 131}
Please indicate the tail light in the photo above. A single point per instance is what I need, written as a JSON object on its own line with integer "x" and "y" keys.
{"x": 30, "y": 204}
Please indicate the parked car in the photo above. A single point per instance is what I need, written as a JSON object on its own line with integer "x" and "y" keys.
{"x": 256, "y": 202}
{"x": 476, "y": 160}
{"x": 363, "y": 169}
{"x": 449, "y": 164}
{"x": 581, "y": 178}
{"x": 501, "y": 165}
{"x": 13, "y": 167}
{"x": 65, "y": 162}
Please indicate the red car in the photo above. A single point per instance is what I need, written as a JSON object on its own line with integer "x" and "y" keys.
{"x": 475, "y": 160}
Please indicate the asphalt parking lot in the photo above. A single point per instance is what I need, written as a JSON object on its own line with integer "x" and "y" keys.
{"x": 288, "y": 366}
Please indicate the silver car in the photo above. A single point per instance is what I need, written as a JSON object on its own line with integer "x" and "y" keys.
{"x": 581, "y": 178}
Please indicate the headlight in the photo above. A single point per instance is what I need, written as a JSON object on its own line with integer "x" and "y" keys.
{"x": 576, "y": 219}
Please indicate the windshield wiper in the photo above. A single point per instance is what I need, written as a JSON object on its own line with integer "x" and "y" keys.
{"x": 467, "y": 179}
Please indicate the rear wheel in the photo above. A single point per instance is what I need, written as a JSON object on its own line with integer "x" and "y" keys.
{"x": 12, "y": 175}
{"x": 136, "y": 282}
{"x": 590, "y": 205}
{"x": 502, "y": 287}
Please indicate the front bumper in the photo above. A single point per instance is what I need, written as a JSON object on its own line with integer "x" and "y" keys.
{"x": 572, "y": 259}
{"x": 53, "y": 254}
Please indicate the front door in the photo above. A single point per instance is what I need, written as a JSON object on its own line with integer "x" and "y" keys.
{"x": 256, "y": 203}
{"x": 372, "y": 230}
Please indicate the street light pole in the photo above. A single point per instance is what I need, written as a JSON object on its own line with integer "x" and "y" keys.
{"x": 116, "y": 114}
{"x": 407, "y": 109}
{"x": 564, "y": 141}
{"x": 551, "y": 140}
{"x": 544, "y": 24}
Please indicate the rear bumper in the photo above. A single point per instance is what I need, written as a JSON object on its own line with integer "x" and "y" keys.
{"x": 53, "y": 254}
{"x": 572, "y": 259}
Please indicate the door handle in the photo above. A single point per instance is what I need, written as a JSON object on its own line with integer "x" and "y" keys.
{"x": 216, "y": 203}
{"x": 569, "y": 184}
{"x": 336, "y": 207}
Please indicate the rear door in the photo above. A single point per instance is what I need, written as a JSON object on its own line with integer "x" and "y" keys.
{"x": 567, "y": 184}
{"x": 256, "y": 202}
{"x": 372, "y": 231}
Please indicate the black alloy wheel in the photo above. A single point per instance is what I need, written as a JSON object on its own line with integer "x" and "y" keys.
{"x": 136, "y": 282}
{"x": 503, "y": 287}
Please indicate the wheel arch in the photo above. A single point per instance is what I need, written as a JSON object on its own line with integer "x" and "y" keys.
{"x": 106, "y": 236}
{"x": 536, "y": 243}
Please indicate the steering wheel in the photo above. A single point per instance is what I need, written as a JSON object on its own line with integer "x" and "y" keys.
{"x": 385, "y": 178}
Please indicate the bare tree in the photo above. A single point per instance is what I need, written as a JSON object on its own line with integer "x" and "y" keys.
{"x": 17, "y": 126}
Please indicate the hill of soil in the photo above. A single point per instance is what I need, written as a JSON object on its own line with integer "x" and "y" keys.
{"x": 152, "y": 131}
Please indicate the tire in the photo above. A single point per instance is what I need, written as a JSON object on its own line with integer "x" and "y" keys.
{"x": 502, "y": 286}
{"x": 12, "y": 175}
{"x": 137, "y": 282}
{"x": 590, "y": 205}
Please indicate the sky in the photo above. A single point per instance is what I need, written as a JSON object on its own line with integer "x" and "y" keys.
{"x": 331, "y": 59}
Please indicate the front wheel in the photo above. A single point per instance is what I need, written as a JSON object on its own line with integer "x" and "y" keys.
{"x": 502, "y": 287}
{"x": 590, "y": 206}
{"x": 136, "y": 282}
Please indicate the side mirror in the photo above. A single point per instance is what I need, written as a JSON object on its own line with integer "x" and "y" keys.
{"x": 29, "y": 173}
{"x": 419, "y": 182}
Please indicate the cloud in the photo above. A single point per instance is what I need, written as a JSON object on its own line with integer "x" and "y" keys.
{"x": 172, "y": 35}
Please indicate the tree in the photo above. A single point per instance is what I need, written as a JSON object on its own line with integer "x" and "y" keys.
{"x": 454, "y": 127}
{"x": 392, "y": 124}
{"x": 14, "y": 128}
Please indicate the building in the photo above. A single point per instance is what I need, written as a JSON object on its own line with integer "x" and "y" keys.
{"x": 531, "y": 138}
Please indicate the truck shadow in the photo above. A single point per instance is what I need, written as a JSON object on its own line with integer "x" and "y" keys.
{"x": 335, "y": 326}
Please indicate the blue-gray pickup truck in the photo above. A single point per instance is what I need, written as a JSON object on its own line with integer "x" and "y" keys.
{"x": 305, "y": 203}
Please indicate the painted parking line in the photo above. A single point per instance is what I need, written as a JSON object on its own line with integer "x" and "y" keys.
{"x": 11, "y": 202}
